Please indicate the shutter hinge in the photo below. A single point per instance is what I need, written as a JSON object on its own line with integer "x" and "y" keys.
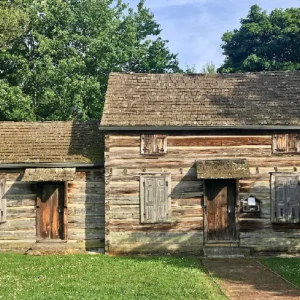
{"x": 167, "y": 183}
{"x": 2, "y": 213}
{"x": 143, "y": 183}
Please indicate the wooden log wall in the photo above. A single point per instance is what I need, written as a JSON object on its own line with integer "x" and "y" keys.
{"x": 85, "y": 209}
{"x": 124, "y": 164}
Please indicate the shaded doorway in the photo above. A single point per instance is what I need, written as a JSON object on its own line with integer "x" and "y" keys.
{"x": 51, "y": 212}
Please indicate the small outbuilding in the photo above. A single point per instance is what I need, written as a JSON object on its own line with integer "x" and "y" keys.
{"x": 51, "y": 186}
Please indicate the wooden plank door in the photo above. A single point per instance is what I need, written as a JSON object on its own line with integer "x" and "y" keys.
{"x": 51, "y": 212}
{"x": 220, "y": 210}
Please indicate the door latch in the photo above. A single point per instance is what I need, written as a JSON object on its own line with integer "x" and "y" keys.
{"x": 230, "y": 209}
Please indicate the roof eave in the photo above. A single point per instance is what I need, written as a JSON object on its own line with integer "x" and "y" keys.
{"x": 108, "y": 128}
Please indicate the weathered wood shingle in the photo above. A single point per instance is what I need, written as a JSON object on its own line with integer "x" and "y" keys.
{"x": 50, "y": 142}
{"x": 269, "y": 98}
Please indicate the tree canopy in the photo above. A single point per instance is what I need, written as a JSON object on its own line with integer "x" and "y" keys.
{"x": 13, "y": 21}
{"x": 55, "y": 64}
{"x": 264, "y": 42}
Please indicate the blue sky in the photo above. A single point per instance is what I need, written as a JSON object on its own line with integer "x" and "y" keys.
{"x": 194, "y": 27}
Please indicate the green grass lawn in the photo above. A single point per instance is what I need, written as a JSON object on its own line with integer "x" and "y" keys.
{"x": 103, "y": 277}
{"x": 288, "y": 268}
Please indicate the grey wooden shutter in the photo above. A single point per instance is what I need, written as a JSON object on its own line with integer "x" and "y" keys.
{"x": 280, "y": 198}
{"x": 148, "y": 214}
{"x": 2, "y": 201}
{"x": 292, "y": 199}
{"x": 161, "y": 199}
{"x": 287, "y": 199}
{"x": 155, "y": 200}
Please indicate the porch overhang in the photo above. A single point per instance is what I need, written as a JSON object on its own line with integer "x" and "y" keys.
{"x": 49, "y": 174}
{"x": 222, "y": 169}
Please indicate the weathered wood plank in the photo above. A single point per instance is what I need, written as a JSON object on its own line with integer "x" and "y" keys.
{"x": 87, "y": 175}
{"x": 19, "y": 224}
{"x": 86, "y": 187}
{"x": 11, "y": 201}
{"x": 86, "y": 198}
{"x": 188, "y": 225}
{"x": 195, "y": 152}
{"x": 134, "y": 141}
{"x": 156, "y": 237}
{"x": 89, "y": 221}
{"x": 19, "y": 188}
{"x": 88, "y": 209}
{"x": 188, "y": 202}
{"x": 218, "y": 140}
{"x": 17, "y": 235}
{"x": 20, "y": 212}
{"x": 155, "y": 248}
{"x": 85, "y": 234}
{"x": 188, "y": 161}
{"x": 12, "y": 175}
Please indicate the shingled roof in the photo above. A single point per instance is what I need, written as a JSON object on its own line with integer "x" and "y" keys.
{"x": 50, "y": 142}
{"x": 269, "y": 98}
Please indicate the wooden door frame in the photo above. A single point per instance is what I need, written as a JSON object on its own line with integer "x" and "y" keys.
{"x": 205, "y": 222}
{"x": 65, "y": 213}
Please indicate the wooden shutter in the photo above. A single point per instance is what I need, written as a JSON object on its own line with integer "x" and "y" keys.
{"x": 160, "y": 143}
{"x": 149, "y": 200}
{"x": 286, "y": 143}
{"x": 292, "y": 199}
{"x": 287, "y": 199}
{"x": 280, "y": 198}
{"x": 161, "y": 199}
{"x": 293, "y": 143}
{"x": 279, "y": 143}
{"x": 153, "y": 144}
{"x": 155, "y": 199}
{"x": 147, "y": 144}
{"x": 2, "y": 201}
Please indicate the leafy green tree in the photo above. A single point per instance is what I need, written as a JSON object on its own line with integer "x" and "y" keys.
{"x": 13, "y": 21}
{"x": 14, "y": 105}
{"x": 263, "y": 42}
{"x": 61, "y": 62}
{"x": 209, "y": 68}
{"x": 190, "y": 70}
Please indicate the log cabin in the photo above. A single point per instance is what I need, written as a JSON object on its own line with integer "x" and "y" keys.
{"x": 51, "y": 186}
{"x": 181, "y": 163}
{"x": 202, "y": 163}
